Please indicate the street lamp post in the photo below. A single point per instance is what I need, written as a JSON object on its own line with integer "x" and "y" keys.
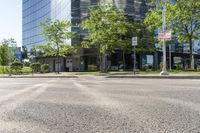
{"x": 164, "y": 69}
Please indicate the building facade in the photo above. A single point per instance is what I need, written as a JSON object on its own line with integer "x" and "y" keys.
{"x": 134, "y": 10}
{"x": 37, "y": 11}
{"x": 75, "y": 11}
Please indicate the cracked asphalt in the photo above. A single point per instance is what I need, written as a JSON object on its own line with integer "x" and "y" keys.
{"x": 98, "y": 105}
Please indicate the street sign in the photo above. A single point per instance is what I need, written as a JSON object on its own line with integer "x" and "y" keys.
{"x": 165, "y": 35}
{"x": 134, "y": 41}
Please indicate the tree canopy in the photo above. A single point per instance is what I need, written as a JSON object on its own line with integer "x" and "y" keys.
{"x": 57, "y": 33}
{"x": 8, "y": 48}
{"x": 4, "y": 55}
{"x": 182, "y": 18}
{"x": 106, "y": 26}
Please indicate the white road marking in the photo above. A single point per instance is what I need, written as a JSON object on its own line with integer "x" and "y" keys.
{"x": 13, "y": 104}
{"x": 19, "y": 92}
{"x": 100, "y": 99}
{"x": 9, "y": 96}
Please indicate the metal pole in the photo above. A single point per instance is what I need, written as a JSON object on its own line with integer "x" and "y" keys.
{"x": 9, "y": 55}
{"x": 170, "y": 57}
{"x": 134, "y": 63}
{"x": 164, "y": 69}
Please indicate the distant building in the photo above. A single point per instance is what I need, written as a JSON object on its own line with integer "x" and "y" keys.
{"x": 75, "y": 11}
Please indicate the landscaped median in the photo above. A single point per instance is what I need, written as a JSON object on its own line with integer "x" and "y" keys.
{"x": 143, "y": 74}
{"x": 5, "y": 70}
{"x": 49, "y": 75}
{"x": 26, "y": 73}
{"x": 131, "y": 73}
{"x": 156, "y": 75}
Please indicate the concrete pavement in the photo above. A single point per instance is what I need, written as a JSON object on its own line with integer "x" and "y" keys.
{"x": 157, "y": 76}
{"x": 144, "y": 76}
{"x": 98, "y": 105}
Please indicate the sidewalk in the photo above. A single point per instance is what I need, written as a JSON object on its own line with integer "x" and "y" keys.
{"x": 147, "y": 76}
{"x": 157, "y": 76}
{"x": 46, "y": 75}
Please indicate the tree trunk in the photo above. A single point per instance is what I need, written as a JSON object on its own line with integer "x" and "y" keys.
{"x": 191, "y": 58}
{"x": 58, "y": 58}
{"x": 124, "y": 59}
{"x": 100, "y": 62}
{"x": 104, "y": 62}
{"x": 3, "y": 69}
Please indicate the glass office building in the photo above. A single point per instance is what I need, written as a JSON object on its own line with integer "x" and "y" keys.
{"x": 75, "y": 11}
{"x": 134, "y": 10}
{"x": 36, "y": 11}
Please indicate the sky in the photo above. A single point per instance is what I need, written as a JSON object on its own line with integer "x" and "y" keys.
{"x": 11, "y": 20}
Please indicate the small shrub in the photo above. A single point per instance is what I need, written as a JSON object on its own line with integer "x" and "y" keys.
{"x": 16, "y": 67}
{"x": 27, "y": 64}
{"x": 45, "y": 68}
{"x": 36, "y": 67}
{"x": 92, "y": 68}
{"x": 26, "y": 70}
{"x": 178, "y": 67}
{"x": 4, "y": 69}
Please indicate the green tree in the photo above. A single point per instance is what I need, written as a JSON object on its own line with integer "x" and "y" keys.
{"x": 8, "y": 49}
{"x": 182, "y": 18}
{"x": 105, "y": 25}
{"x": 56, "y": 33}
{"x": 124, "y": 42}
{"x": 146, "y": 40}
{"x": 36, "y": 51}
{"x": 4, "y": 56}
{"x": 33, "y": 51}
{"x": 12, "y": 45}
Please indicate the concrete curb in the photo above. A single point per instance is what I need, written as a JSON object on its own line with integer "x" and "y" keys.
{"x": 38, "y": 76}
{"x": 157, "y": 77}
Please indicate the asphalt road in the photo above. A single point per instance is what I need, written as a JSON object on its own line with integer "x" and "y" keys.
{"x": 98, "y": 105}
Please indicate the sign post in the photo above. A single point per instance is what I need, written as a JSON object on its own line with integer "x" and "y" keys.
{"x": 134, "y": 44}
{"x": 164, "y": 36}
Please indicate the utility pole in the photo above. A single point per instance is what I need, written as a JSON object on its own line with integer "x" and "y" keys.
{"x": 164, "y": 69}
{"x": 170, "y": 57}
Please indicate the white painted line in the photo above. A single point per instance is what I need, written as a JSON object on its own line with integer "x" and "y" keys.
{"x": 9, "y": 96}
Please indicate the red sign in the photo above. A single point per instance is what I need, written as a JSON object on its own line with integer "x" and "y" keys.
{"x": 164, "y": 36}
